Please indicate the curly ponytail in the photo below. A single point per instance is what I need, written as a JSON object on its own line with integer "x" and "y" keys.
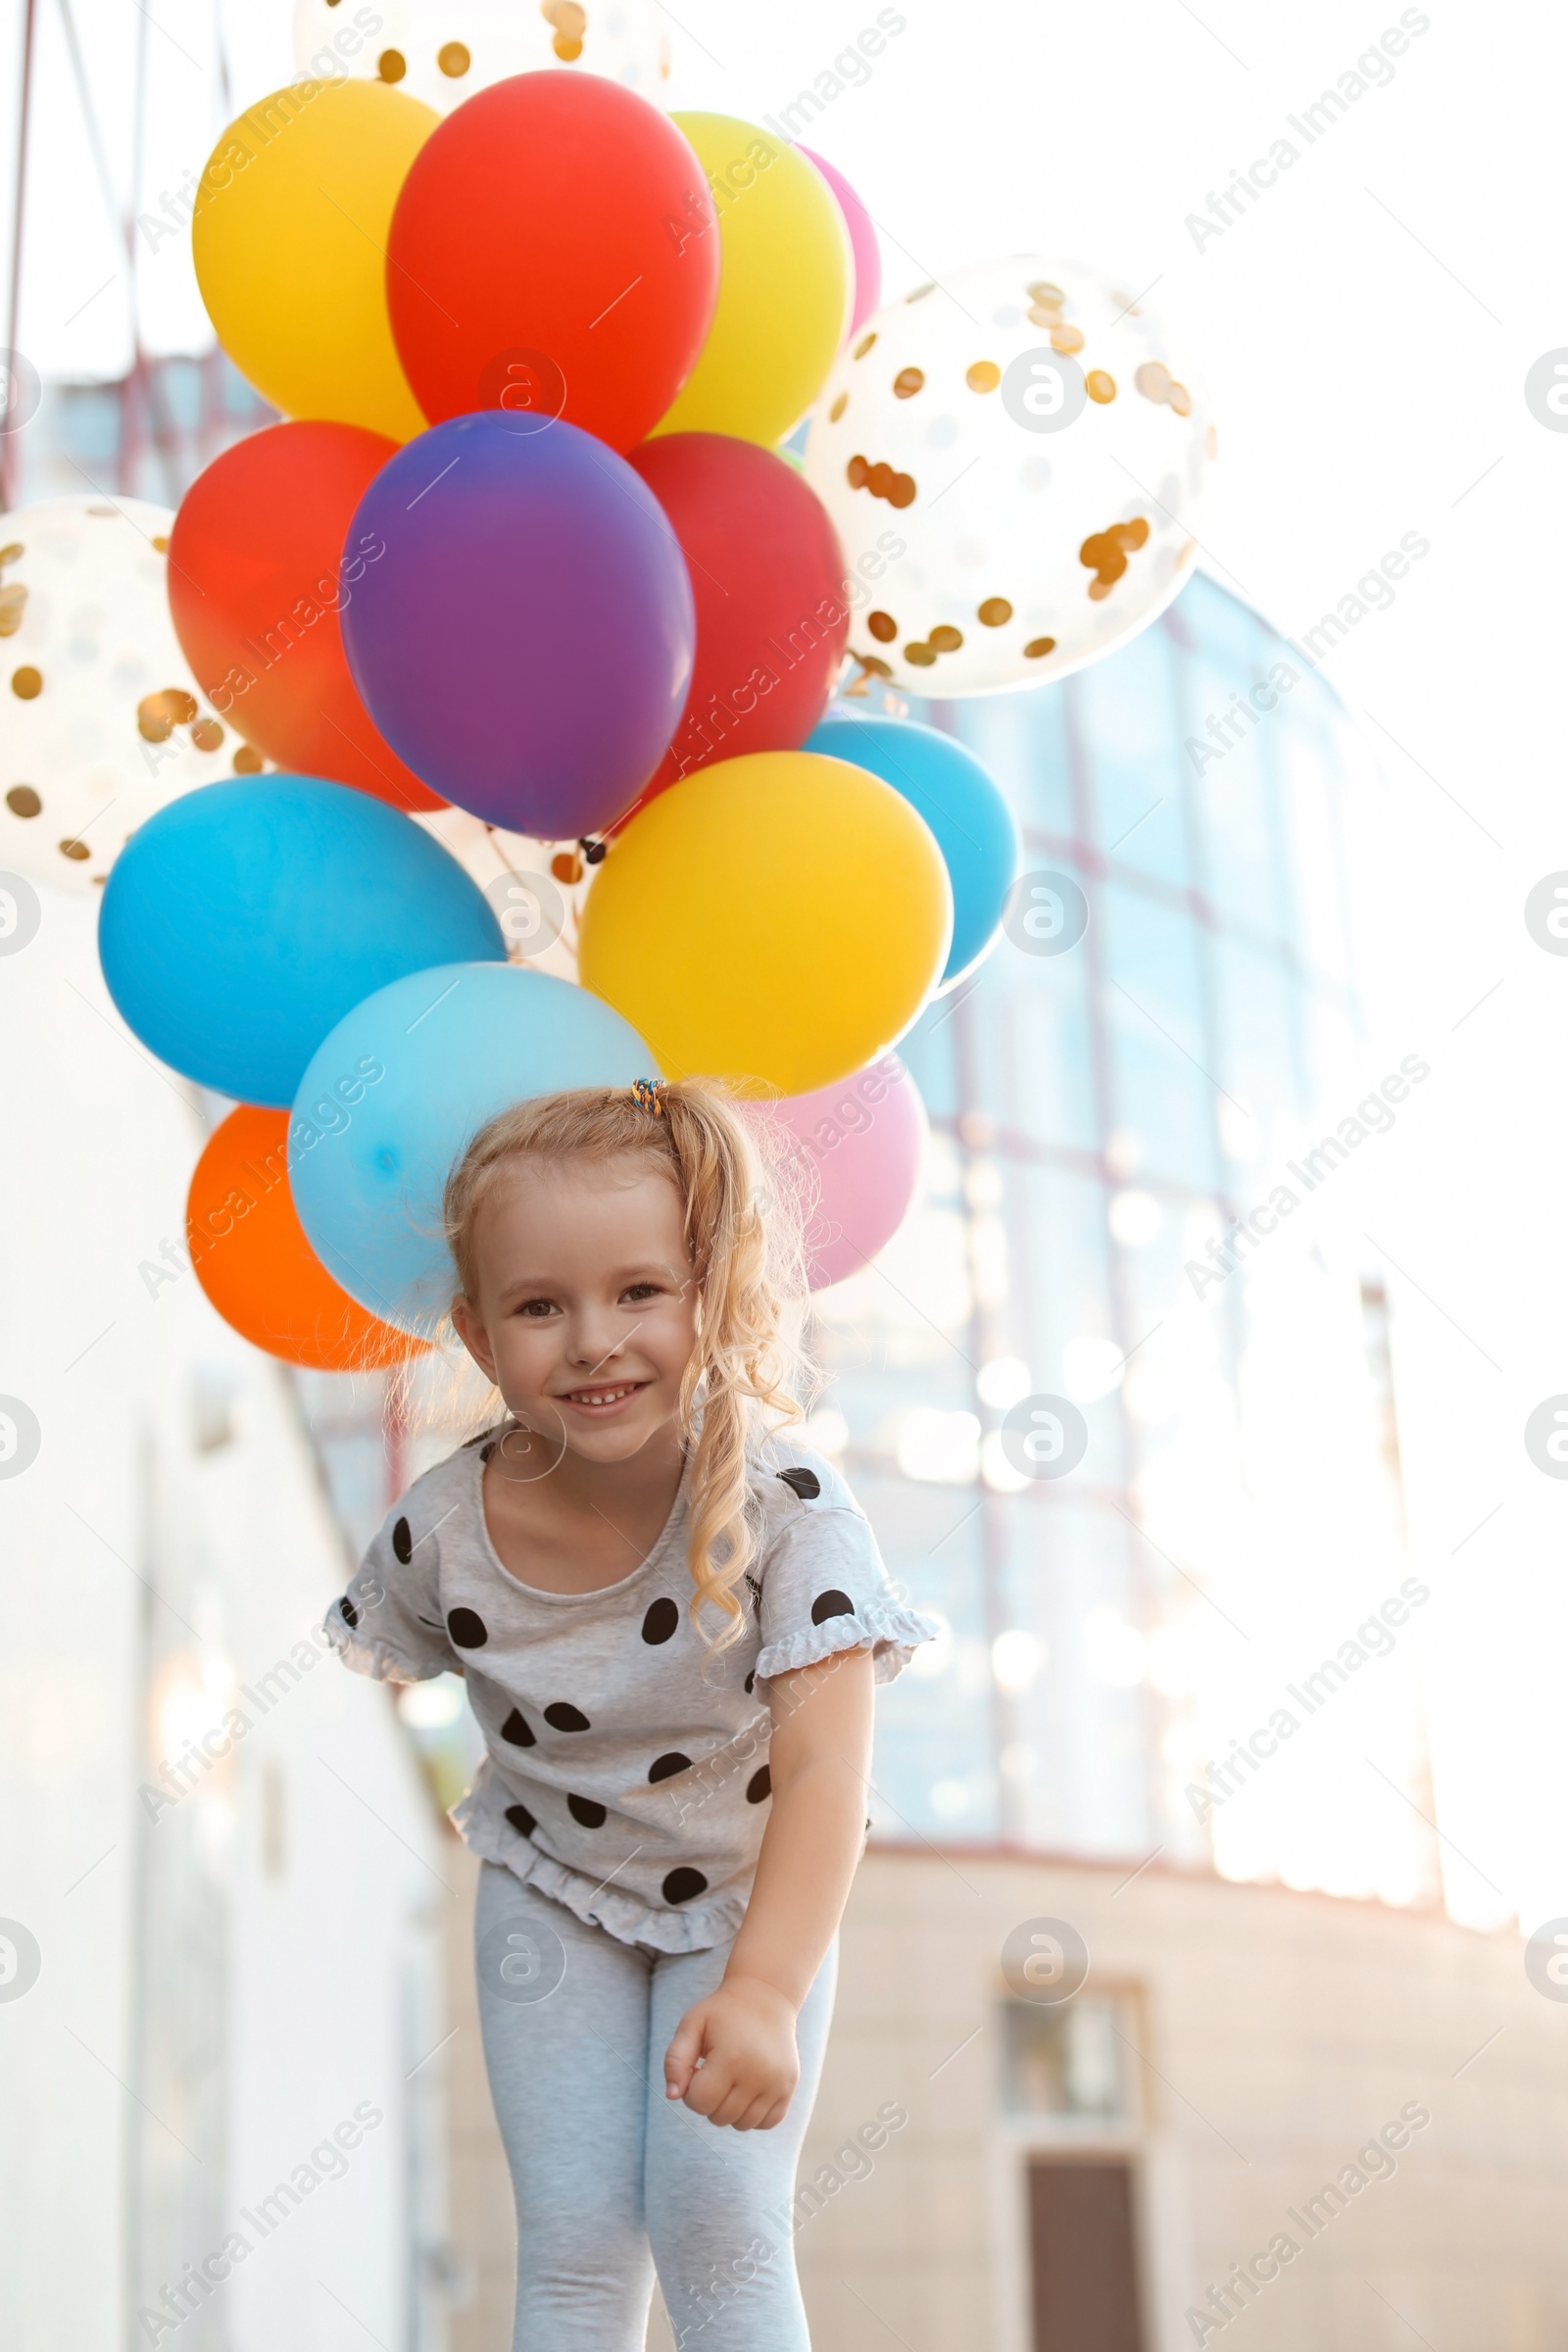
{"x": 742, "y": 1227}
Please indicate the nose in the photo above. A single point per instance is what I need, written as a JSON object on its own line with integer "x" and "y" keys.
{"x": 595, "y": 1341}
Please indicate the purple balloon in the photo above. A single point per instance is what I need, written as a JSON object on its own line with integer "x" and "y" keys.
{"x": 524, "y": 637}
{"x": 863, "y": 243}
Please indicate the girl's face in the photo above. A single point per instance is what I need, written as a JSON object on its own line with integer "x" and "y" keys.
{"x": 586, "y": 1314}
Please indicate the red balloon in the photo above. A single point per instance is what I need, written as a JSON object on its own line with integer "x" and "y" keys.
{"x": 554, "y": 253}
{"x": 258, "y": 574}
{"x": 769, "y": 581}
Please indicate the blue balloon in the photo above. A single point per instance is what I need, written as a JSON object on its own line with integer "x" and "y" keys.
{"x": 245, "y": 918}
{"x": 524, "y": 638}
{"x": 398, "y": 1090}
{"x": 973, "y": 825}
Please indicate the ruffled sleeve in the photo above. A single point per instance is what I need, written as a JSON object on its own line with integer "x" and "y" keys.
{"x": 824, "y": 1589}
{"x": 389, "y": 1623}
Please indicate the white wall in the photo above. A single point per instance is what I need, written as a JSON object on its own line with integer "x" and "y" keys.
{"x": 224, "y": 1983}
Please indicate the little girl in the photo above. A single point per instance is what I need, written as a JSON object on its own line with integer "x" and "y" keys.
{"x": 670, "y": 1619}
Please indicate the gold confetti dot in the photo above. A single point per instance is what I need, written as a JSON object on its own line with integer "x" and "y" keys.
{"x": 567, "y": 49}
{"x": 883, "y": 627}
{"x": 207, "y": 734}
{"x": 247, "y": 761}
{"x": 452, "y": 59}
{"x": 75, "y": 849}
{"x": 881, "y": 481}
{"x": 26, "y": 683}
{"x": 22, "y": 800}
{"x": 12, "y": 605}
{"x": 161, "y": 546}
{"x": 874, "y": 664}
{"x": 907, "y": 382}
{"x": 1044, "y": 291}
{"x": 566, "y": 16}
{"x": 946, "y": 639}
{"x": 995, "y": 613}
{"x": 1152, "y": 380}
{"x": 1105, "y": 553}
{"x": 1037, "y": 647}
{"x": 1099, "y": 386}
{"x": 566, "y": 867}
{"x": 11, "y": 553}
{"x": 864, "y": 345}
{"x": 1042, "y": 314}
{"x": 838, "y": 408}
{"x": 1179, "y": 399}
{"x": 157, "y": 714}
{"x": 1067, "y": 338}
{"x": 919, "y": 657}
{"x": 391, "y": 64}
{"x": 984, "y": 376}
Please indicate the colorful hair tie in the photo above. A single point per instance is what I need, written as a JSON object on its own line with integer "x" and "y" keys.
{"x": 649, "y": 1094}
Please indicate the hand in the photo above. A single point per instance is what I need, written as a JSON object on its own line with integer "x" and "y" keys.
{"x": 733, "y": 2057}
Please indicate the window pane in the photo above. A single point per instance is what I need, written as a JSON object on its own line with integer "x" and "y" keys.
{"x": 1162, "y": 1069}
{"x": 1125, "y": 716}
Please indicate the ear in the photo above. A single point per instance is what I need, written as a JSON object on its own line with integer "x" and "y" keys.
{"x": 471, "y": 1332}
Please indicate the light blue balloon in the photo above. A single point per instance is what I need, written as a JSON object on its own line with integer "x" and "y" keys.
{"x": 245, "y": 918}
{"x": 403, "y": 1083}
{"x": 946, "y": 785}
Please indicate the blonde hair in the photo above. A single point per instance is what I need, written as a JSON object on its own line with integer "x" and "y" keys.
{"x": 743, "y": 1237}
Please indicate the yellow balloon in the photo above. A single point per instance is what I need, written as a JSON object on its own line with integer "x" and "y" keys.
{"x": 784, "y": 292}
{"x": 774, "y": 922}
{"x": 289, "y": 238}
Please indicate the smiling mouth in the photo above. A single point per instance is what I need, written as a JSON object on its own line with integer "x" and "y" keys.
{"x": 603, "y": 1400}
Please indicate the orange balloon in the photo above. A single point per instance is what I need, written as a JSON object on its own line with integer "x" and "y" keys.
{"x": 253, "y": 1260}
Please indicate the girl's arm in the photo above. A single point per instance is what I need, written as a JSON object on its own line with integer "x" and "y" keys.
{"x": 744, "y": 2033}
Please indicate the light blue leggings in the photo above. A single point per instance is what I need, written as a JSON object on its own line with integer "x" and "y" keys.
{"x": 612, "y": 2179}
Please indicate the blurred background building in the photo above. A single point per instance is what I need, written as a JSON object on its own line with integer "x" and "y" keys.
{"x": 1109, "y": 1094}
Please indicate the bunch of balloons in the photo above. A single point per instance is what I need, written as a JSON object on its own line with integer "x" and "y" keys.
{"x": 524, "y": 574}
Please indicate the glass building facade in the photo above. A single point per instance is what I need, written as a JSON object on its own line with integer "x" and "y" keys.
{"x": 1103, "y": 1108}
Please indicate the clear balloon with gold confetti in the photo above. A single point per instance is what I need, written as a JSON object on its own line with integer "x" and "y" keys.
{"x": 444, "y": 50}
{"x": 101, "y": 722}
{"x": 1014, "y": 459}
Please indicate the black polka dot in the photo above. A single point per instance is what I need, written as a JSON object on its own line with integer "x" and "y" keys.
{"x": 562, "y": 1716}
{"x": 750, "y": 1682}
{"x": 661, "y": 1620}
{"x": 831, "y": 1604}
{"x": 681, "y": 1885}
{"x": 587, "y": 1810}
{"x": 516, "y": 1730}
{"x": 351, "y": 1615}
{"x": 402, "y": 1541}
{"x": 467, "y": 1629}
{"x": 665, "y": 1768}
{"x": 521, "y": 1820}
{"x": 758, "y": 1786}
{"x": 803, "y": 1483}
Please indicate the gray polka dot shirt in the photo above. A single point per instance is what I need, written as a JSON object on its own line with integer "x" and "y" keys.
{"x": 626, "y": 1769}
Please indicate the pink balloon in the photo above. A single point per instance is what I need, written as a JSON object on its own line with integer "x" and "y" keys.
{"x": 857, "y": 1148}
{"x": 863, "y": 242}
